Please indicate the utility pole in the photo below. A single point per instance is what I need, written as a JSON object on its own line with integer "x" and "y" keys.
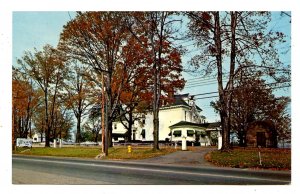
{"x": 106, "y": 129}
{"x": 104, "y": 119}
{"x": 103, "y": 115}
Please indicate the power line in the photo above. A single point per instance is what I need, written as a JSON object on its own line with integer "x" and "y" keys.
{"x": 202, "y": 94}
{"x": 202, "y": 84}
{"x": 206, "y": 97}
{"x": 204, "y": 80}
{"x": 206, "y": 77}
{"x": 178, "y": 46}
{"x": 205, "y": 93}
{"x": 193, "y": 85}
{"x": 213, "y": 77}
{"x": 183, "y": 42}
{"x": 212, "y": 81}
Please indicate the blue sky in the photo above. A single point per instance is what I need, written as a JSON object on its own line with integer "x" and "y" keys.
{"x": 35, "y": 29}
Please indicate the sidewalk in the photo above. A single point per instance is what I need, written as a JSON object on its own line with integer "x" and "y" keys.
{"x": 186, "y": 158}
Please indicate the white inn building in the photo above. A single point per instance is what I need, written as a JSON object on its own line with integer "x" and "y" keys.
{"x": 180, "y": 119}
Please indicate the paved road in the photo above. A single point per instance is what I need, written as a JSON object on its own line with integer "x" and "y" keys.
{"x": 52, "y": 170}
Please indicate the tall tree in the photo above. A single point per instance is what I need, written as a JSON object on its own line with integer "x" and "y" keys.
{"x": 253, "y": 101}
{"x": 136, "y": 95}
{"x": 47, "y": 69}
{"x": 96, "y": 39}
{"x": 93, "y": 123}
{"x": 62, "y": 123}
{"x": 38, "y": 120}
{"x": 134, "y": 75}
{"x": 78, "y": 89}
{"x": 24, "y": 103}
{"x": 243, "y": 39}
{"x": 206, "y": 28}
{"x": 154, "y": 31}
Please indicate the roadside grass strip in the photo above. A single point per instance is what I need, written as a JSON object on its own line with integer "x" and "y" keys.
{"x": 114, "y": 153}
{"x": 271, "y": 158}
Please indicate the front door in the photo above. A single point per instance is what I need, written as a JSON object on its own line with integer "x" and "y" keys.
{"x": 261, "y": 139}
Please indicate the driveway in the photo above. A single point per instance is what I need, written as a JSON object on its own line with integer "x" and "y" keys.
{"x": 194, "y": 157}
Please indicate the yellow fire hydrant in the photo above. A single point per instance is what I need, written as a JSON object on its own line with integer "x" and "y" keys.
{"x": 129, "y": 149}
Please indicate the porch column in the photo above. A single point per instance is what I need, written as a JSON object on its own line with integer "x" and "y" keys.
{"x": 183, "y": 143}
{"x": 219, "y": 140}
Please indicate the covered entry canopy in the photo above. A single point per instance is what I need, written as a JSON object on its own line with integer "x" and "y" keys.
{"x": 187, "y": 124}
{"x": 204, "y": 126}
{"x": 188, "y": 131}
{"x": 193, "y": 132}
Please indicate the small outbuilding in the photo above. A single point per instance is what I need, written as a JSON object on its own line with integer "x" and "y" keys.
{"x": 38, "y": 137}
{"x": 261, "y": 133}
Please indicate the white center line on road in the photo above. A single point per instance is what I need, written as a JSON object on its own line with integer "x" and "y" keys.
{"x": 151, "y": 170}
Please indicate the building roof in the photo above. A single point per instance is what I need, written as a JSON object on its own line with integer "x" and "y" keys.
{"x": 212, "y": 125}
{"x": 201, "y": 125}
{"x": 179, "y": 101}
{"x": 186, "y": 123}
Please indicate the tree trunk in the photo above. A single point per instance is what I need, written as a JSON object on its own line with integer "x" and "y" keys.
{"x": 109, "y": 111}
{"x": 242, "y": 136}
{"x": 130, "y": 123}
{"x": 103, "y": 115}
{"x": 155, "y": 109}
{"x": 110, "y": 144}
{"x": 274, "y": 137}
{"x": 60, "y": 135}
{"x": 13, "y": 130}
{"x": 228, "y": 99}
{"x": 78, "y": 131}
{"x": 47, "y": 134}
{"x": 157, "y": 82}
{"x": 155, "y": 131}
{"x": 223, "y": 112}
{"x": 96, "y": 136}
{"x": 108, "y": 121}
{"x": 30, "y": 130}
{"x": 43, "y": 130}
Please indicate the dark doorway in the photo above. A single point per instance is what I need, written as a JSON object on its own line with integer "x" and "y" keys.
{"x": 143, "y": 133}
{"x": 261, "y": 139}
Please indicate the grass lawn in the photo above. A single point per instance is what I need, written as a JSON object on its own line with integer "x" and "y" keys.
{"x": 137, "y": 153}
{"x": 249, "y": 158}
{"x": 116, "y": 153}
